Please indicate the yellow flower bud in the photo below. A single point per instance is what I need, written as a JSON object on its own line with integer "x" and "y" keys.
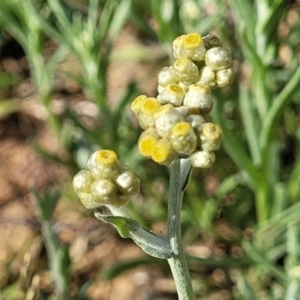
{"x": 147, "y": 141}
{"x": 202, "y": 159}
{"x": 210, "y": 41}
{"x": 173, "y": 94}
{"x": 224, "y": 77}
{"x": 218, "y": 58}
{"x": 183, "y": 138}
{"x": 104, "y": 164}
{"x": 149, "y": 106}
{"x": 186, "y": 70}
{"x": 145, "y": 114}
{"x": 192, "y": 47}
{"x": 137, "y": 102}
{"x": 106, "y": 157}
{"x": 198, "y": 98}
{"x": 165, "y": 118}
{"x": 163, "y": 152}
{"x": 210, "y": 136}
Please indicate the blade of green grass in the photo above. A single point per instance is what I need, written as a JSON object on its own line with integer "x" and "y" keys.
{"x": 251, "y": 125}
{"x": 266, "y": 265}
{"x": 235, "y": 150}
{"x": 284, "y": 97}
{"x": 244, "y": 288}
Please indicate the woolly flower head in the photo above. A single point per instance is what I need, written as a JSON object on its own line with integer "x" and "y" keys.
{"x": 174, "y": 122}
{"x": 105, "y": 181}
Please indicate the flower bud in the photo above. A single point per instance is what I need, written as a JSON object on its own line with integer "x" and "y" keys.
{"x": 183, "y": 138}
{"x": 173, "y": 94}
{"x": 167, "y": 76}
{"x": 104, "y": 164}
{"x": 210, "y": 136}
{"x": 104, "y": 192}
{"x": 87, "y": 200}
{"x": 184, "y": 86}
{"x": 165, "y": 118}
{"x": 137, "y": 102}
{"x": 199, "y": 99}
{"x": 127, "y": 182}
{"x": 202, "y": 159}
{"x": 177, "y": 44}
{"x": 210, "y": 41}
{"x": 196, "y": 121}
{"x": 145, "y": 114}
{"x": 207, "y": 77}
{"x": 218, "y": 58}
{"x": 186, "y": 70}
{"x": 163, "y": 152}
{"x": 192, "y": 47}
{"x": 82, "y": 181}
{"x": 183, "y": 111}
{"x": 224, "y": 77}
{"x": 147, "y": 141}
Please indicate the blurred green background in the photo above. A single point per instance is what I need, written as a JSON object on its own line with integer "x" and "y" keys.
{"x": 68, "y": 72}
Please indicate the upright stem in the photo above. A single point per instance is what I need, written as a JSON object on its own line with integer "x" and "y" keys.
{"x": 180, "y": 171}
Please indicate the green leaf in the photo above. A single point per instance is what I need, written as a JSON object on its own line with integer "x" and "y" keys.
{"x": 58, "y": 253}
{"x": 7, "y": 80}
{"x": 166, "y": 13}
{"x": 234, "y": 149}
{"x": 8, "y": 107}
{"x": 151, "y": 243}
{"x": 118, "y": 268}
{"x": 213, "y": 262}
{"x": 245, "y": 16}
{"x": 281, "y": 220}
{"x": 229, "y": 184}
{"x": 250, "y": 125}
{"x": 260, "y": 260}
{"x": 277, "y": 108}
{"x": 293, "y": 184}
{"x": 46, "y": 204}
{"x": 292, "y": 292}
{"x": 120, "y": 15}
{"x": 244, "y": 288}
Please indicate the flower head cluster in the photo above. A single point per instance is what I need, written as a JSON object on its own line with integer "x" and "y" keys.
{"x": 105, "y": 181}
{"x": 173, "y": 122}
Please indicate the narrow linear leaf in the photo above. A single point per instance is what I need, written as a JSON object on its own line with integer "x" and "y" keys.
{"x": 120, "y": 267}
{"x": 121, "y": 14}
{"x": 276, "y": 110}
{"x": 250, "y": 125}
{"x": 219, "y": 263}
{"x": 245, "y": 289}
{"x": 235, "y": 150}
{"x": 244, "y": 16}
{"x": 293, "y": 289}
{"x": 151, "y": 243}
{"x": 266, "y": 265}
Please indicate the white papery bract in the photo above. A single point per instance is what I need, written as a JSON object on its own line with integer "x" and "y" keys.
{"x": 105, "y": 181}
{"x": 178, "y": 128}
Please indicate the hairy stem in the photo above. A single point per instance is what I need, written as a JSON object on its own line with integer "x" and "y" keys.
{"x": 180, "y": 170}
